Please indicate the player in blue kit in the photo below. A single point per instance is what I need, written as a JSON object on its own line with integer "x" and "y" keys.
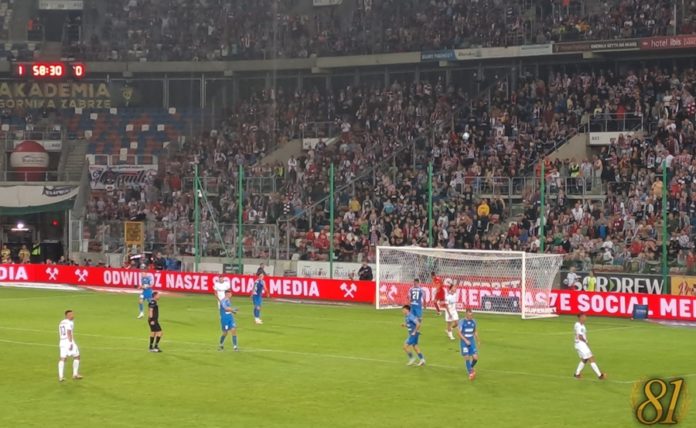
{"x": 416, "y": 297}
{"x": 468, "y": 335}
{"x": 146, "y": 281}
{"x": 257, "y": 292}
{"x": 412, "y": 324}
{"x": 227, "y": 321}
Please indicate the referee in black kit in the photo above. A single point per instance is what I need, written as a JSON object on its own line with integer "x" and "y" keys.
{"x": 153, "y": 321}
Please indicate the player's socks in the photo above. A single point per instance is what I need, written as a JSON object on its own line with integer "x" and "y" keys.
{"x": 75, "y": 368}
{"x": 222, "y": 339}
{"x": 410, "y": 355}
{"x": 257, "y": 313}
{"x": 420, "y": 356}
{"x": 473, "y": 363}
{"x": 157, "y": 339}
{"x": 579, "y": 369}
{"x": 61, "y": 369}
{"x": 469, "y": 369}
{"x": 234, "y": 341}
{"x": 595, "y": 367}
{"x": 152, "y": 340}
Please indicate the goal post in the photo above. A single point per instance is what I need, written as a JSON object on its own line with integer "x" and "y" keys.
{"x": 506, "y": 282}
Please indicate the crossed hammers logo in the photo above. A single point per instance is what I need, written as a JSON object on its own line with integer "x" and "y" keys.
{"x": 52, "y": 273}
{"x": 82, "y": 275}
{"x": 349, "y": 290}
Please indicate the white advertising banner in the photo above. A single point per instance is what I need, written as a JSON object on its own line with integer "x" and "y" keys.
{"x": 604, "y": 138}
{"x": 48, "y": 145}
{"x": 103, "y": 176}
{"x": 327, "y": 2}
{"x": 35, "y": 196}
{"x": 61, "y": 4}
{"x": 345, "y": 270}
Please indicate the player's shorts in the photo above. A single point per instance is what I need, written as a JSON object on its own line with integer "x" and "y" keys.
{"x": 454, "y": 317}
{"x": 417, "y": 311}
{"x": 469, "y": 350}
{"x": 227, "y": 323}
{"x": 412, "y": 340}
{"x": 65, "y": 350}
{"x": 257, "y": 300}
{"x": 583, "y": 350}
{"x": 155, "y": 328}
{"x": 146, "y": 294}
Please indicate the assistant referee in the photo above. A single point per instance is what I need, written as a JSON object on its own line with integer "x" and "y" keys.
{"x": 153, "y": 321}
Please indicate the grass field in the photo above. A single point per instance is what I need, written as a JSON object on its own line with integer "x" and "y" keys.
{"x": 315, "y": 366}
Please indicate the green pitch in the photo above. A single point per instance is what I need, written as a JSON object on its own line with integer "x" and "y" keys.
{"x": 315, "y": 366}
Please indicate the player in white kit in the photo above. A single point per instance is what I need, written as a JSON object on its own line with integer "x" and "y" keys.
{"x": 68, "y": 347}
{"x": 220, "y": 285}
{"x": 583, "y": 348}
{"x": 451, "y": 315}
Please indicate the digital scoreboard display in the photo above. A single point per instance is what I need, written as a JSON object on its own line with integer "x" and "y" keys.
{"x": 49, "y": 70}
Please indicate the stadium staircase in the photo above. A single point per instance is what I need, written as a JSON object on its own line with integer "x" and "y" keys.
{"x": 72, "y": 160}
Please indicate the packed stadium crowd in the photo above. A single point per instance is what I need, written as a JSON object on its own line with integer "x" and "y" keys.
{"x": 210, "y": 30}
{"x": 383, "y": 140}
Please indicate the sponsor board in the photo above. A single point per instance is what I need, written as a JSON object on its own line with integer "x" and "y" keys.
{"x": 344, "y": 270}
{"x": 683, "y": 285}
{"x": 445, "y": 55}
{"x": 327, "y": 2}
{"x": 597, "y": 46}
{"x": 617, "y": 282}
{"x": 604, "y": 138}
{"x": 103, "y": 176}
{"x": 48, "y": 145}
{"x": 291, "y": 288}
{"x": 35, "y": 196}
{"x": 668, "y": 42}
{"x": 535, "y": 50}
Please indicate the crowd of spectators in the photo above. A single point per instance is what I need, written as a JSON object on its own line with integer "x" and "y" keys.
{"x": 205, "y": 30}
{"x": 603, "y": 209}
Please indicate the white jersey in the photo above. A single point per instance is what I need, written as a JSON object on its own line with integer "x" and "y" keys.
{"x": 451, "y": 313}
{"x": 220, "y": 285}
{"x": 64, "y": 327}
{"x": 580, "y": 332}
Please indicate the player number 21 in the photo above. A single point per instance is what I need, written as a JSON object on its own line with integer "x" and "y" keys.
{"x": 653, "y": 400}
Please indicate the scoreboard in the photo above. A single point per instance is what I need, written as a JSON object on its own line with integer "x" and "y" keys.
{"x": 49, "y": 70}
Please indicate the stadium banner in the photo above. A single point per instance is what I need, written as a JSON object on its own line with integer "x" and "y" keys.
{"x": 535, "y": 50}
{"x": 48, "y": 145}
{"x": 683, "y": 285}
{"x": 103, "y": 176}
{"x": 35, "y": 196}
{"x": 617, "y": 282}
{"x": 663, "y": 307}
{"x": 336, "y": 290}
{"x": 668, "y": 42}
{"x": 604, "y": 138}
{"x": 61, "y": 5}
{"x": 597, "y": 46}
{"x": 344, "y": 270}
{"x": 17, "y": 94}
{"x": 327, "y": 2}
{"x": 445, "y": 55}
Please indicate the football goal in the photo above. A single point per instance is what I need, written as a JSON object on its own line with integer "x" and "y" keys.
{"x": 507, "y": 282}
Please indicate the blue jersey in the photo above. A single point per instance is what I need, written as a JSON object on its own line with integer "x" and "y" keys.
{"x": 146, "y": 281}
{"x": 224, "y": 305}
{"x": 415, "y": 295}
{"x": 411, "y": 322}
{"x": 468, "y": 328}
{"x": 259, "y": 288}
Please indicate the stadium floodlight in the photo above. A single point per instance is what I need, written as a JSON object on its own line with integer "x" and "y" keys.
{"x": 20, "y": 227}
{"x": 506, "y": 282}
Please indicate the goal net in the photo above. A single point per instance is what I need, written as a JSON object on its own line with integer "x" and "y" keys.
{"x": 508, "y": 282}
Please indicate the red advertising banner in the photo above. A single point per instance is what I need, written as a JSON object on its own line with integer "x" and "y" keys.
{"x": 668, "y": 42}
{"x": 660, "y": 306}
{"x": 666, "y": 307}
{"x": 280, "y": 287}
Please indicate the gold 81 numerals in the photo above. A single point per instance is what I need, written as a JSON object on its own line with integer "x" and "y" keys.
{"x": 652, "y": 410}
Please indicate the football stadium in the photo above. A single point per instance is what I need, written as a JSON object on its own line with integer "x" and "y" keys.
{"x": 347, "y": 213}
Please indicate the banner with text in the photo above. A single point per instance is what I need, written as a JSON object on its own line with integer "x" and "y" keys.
{"x": 597, "y": 46}
{"x": 668, "y": 42}
{"x": 35, "y": 196}
{"x": 615, "y": 282}
{"x": 280, "y": 287}
{"x": 683, "y": 285}
{"x": 104, "y": 177}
